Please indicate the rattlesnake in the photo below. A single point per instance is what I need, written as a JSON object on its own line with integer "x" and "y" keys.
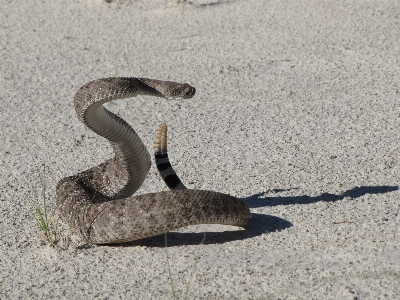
{"x": 99, "y": 202}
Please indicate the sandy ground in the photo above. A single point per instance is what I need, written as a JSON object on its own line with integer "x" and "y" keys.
{"x": 296, "y": 112}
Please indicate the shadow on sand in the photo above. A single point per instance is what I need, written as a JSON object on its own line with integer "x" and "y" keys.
{"x": 262, "y": 199}
{"x": 259, "y": 223}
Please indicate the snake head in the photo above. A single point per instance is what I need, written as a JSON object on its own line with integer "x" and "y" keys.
{"x": 181, "y": 91}
{"x": 168, "y": 89}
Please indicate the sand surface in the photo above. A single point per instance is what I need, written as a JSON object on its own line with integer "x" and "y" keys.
{"x": 296, "y": 112}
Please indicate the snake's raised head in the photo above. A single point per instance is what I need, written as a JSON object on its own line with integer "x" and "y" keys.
{"x": 169, "y": 89}
{"x": 183, "y": 91}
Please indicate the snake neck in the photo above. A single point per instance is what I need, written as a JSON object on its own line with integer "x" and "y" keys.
{"x": 121, "y": 176}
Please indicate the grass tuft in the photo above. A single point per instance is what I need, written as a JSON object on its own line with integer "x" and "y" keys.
{"x": 47, "y": 221}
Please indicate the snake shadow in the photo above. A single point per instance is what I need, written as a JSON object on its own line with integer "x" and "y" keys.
{"x": 259, "y": 223}
{"x": 262, "y": 199}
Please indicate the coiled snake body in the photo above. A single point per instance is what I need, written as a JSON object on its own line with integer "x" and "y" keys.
{"x": 99, "y": 201}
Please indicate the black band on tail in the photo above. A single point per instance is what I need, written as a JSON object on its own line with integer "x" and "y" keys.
{"x": 167, "y": 172}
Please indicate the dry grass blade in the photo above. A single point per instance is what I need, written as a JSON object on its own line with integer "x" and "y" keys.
{"x": 194, "y": 266}
{"x": 169, "y": 268}
{"x": 191, "y": 273}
